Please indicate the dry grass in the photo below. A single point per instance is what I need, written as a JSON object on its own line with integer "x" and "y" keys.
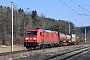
{"x": 4, "y": 48}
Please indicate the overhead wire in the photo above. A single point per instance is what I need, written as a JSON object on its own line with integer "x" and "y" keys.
{"x": 84, "y": 8}
{"x": 81, "y": 7}
{"x": 81, "y": 11}
{"x": 77, "y": 7}
{"x": 68, "y": 6}
{"x": 84, "y": 5}
{"x": 64, "y": 4}
{"x": 73, "y": 10}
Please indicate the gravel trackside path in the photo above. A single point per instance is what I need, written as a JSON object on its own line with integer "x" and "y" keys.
{"x": 4, "y": 48}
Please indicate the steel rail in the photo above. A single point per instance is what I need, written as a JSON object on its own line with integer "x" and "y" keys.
{"x": 67, "y": 55}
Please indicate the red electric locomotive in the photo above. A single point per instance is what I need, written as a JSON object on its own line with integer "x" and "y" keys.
{"x": 40, "y": 37}
{"x": 47, "y": 38}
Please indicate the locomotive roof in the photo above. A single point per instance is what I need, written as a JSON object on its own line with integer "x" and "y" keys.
{"x": 49, "y": 31}
{"x": 42, "y": 30}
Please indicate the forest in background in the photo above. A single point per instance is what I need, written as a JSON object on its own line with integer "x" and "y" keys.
{"x": 32, "y": 20}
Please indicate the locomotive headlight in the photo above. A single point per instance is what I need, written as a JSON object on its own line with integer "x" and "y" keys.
{"x": 26, "y": 38}
{"x": 34, "y": 38}
{"x": 26, "y": 41}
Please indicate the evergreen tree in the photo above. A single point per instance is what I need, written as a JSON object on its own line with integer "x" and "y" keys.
{"x": 35, "y": 21}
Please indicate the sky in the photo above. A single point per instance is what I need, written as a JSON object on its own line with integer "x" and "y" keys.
{"x": 76, "y": 11}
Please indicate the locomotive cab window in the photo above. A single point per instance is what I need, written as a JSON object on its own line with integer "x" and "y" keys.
{"x": 31, "y": 33}
{"x": 40, "y": 33}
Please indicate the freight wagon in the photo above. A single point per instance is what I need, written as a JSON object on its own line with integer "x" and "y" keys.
{"x": 47, "y": 38}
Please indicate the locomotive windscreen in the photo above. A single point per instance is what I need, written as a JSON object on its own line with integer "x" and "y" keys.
{"x": 31, "y": 33}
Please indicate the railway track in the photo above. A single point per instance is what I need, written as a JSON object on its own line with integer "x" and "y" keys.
{"x": 20, "y": 51}
{"x": 68, "y": 55}
{"x": 41, "y": 53}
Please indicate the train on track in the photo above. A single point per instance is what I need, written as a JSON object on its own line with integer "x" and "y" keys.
{"x": 47, "y": 38}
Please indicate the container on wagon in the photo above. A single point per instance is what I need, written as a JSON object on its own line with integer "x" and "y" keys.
{"x": 73, "y": 38}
